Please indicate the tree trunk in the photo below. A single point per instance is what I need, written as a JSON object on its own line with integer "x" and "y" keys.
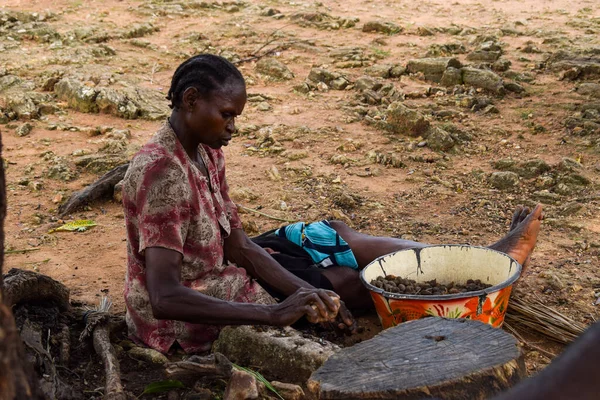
{"x": 16, "y": 378}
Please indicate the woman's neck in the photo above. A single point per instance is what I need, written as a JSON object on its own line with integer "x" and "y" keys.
{"x": 186, "y": 138}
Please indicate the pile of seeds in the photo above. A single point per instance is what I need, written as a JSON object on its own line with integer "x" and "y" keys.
{"x": 395, "y": 284}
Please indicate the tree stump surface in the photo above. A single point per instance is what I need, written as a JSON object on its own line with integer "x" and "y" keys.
{"x": 426, "y": 358}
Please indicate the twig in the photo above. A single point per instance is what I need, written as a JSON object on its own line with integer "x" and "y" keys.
{"x": 526, "y": 343}
{"x": 265, "y": 215}
{"x": 256, "y": 55}
{"x": 21, "y": 251}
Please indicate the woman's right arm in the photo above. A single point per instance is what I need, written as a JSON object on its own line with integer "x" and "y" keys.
{"x": 172, "y": 300}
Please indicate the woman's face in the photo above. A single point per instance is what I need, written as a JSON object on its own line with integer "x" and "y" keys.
{"x": 212, "y": 119}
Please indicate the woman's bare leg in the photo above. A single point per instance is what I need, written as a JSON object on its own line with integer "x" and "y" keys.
{"x": 518, "y": 243}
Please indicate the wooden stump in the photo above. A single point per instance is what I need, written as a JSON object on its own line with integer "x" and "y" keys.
{"x": 430, "y": 357}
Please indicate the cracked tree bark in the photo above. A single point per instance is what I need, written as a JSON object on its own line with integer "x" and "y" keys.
{"x": 17, "y": 380}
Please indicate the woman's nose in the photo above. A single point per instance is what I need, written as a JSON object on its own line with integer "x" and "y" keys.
{"x": 231, "y": 125}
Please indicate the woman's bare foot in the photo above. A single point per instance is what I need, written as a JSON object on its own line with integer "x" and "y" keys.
{"x": 521, "y": 240}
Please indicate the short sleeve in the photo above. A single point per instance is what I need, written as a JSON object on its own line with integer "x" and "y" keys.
{"x": 162, "y": 203}
{"x": 230, "y": 207}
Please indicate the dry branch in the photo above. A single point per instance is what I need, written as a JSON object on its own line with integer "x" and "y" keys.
{"x": 214, "y": 366}
{"x": 101, "y": 188}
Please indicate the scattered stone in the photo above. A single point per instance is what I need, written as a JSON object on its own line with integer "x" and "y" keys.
{"x": 589, "y": 89}
{"x": 379, "y": 70}
{"x": 388, "y": 28}
{"x": 148, "y": 355}
{"x": 367, "y": 83}
{"x": 321, "y": 20}
{"x": 263, "y": 106}
{"x": 438, "y": 139}
{"x": 139, "y": 30}
{"x": 501, "y": 65}
{"x": 444, "y": 50}
{"x": 423, "y": 31}
{"x": 405, "y": 121}
{"x": 432, "y": 68}
{"x": 24, "y": 130}
{"x": 288, "y": 391}
{"x": 568, "y": 164}
{"x": 242, "y": 385}
{"x": 483, "y": 79}
{"x": 574, "y": 65}
{"x": 283, "y": 353}
{"x": 504, "y": 180}
{"x": 274, "y": 69}
{"x": 451, "y": 77}
{"x": 514, "y": 87}
{"x": 546, "y": 197}
{"x": 532, "y": 168}
{"x": 79, "y": 97}
{"x": 484, "y": 56}
{"x": 389, "y": 159}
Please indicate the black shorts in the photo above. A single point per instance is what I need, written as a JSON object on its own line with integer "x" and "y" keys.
{"x": 294, "y": 259}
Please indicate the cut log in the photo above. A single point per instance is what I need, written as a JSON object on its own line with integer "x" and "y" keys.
{"x": 430, "y": 357}
{"x": 102, "y": 188}
{"x": 22, "y": 286}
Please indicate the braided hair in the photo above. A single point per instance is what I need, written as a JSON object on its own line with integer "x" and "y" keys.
{"x": 206, "y": 73}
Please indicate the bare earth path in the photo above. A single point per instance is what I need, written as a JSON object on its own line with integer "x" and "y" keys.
{"x": 325, "y": 153}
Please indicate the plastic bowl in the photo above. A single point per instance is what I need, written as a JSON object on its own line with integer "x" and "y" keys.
{"x": 446, "y": 263}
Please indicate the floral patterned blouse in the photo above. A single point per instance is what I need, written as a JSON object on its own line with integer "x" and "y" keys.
{"x": 169, "y": 203}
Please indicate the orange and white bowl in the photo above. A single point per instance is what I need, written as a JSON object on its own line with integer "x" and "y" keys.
{"x": 445, "y": 263}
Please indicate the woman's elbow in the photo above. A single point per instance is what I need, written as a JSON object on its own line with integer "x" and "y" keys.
{"x": 161, "y": 307}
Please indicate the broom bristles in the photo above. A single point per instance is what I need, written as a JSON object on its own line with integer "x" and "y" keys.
{"x": 538, "y": 317}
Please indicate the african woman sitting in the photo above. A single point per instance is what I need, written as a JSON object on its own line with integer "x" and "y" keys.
{"x": 191, "y": 268}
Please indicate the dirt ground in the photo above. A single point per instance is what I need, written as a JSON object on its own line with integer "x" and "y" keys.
{"x": 308, "y": 156}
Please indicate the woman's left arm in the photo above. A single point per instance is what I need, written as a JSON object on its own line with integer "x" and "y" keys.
{"x": 260, "y": 265}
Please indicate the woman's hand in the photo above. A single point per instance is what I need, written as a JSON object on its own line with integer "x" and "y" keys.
{"x": 317, "y": 304}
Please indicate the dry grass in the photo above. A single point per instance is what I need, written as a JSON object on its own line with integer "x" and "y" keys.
{"x": 530, "y": 314}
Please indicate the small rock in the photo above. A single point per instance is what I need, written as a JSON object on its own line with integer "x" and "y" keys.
{"x": 24, "y": 129}
{"x": 501, "y": 65}
{"x": 36, "y": 186}
{"x": 504, "y": 180}
{"x": 532, "y": 168}
{"x": 568, "y": 164}
{"x": 388, "y": 28}
{"x": 273, "y": 68}
{"x": 367, "y": 83}
{"x": 241, "y": 386}
{"x": 514, "y": 87}
{"x": 451, "y": 77}
{"x": 438, "y": 139}
{"x": 288, "y": 391}
{"x": 148, "y": 355}
{"x": 432, "y": 68}
{"x": 340, "y": 83}
{"x": 589, "y": 89}
{"x": 483, "y": 79}
{"x": 263, "y": 106}
{"x": 491, "y": 109}
{"x": 484, "y": 56}
{"x": 322, "y": 87}
{"x": 403, "y": 120}
{"x": 379, "y": 70}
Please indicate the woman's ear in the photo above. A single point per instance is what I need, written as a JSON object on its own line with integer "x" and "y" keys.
{"x": 190, "y": 95}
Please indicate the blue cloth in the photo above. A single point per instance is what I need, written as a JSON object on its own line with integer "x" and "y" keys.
{"x": 324, "y": 245}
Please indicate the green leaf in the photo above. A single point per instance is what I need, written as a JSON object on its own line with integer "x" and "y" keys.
{"x": 81, "y": 225}
{"x": 259, "y": 378}
{"x": 162, "y": 386}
